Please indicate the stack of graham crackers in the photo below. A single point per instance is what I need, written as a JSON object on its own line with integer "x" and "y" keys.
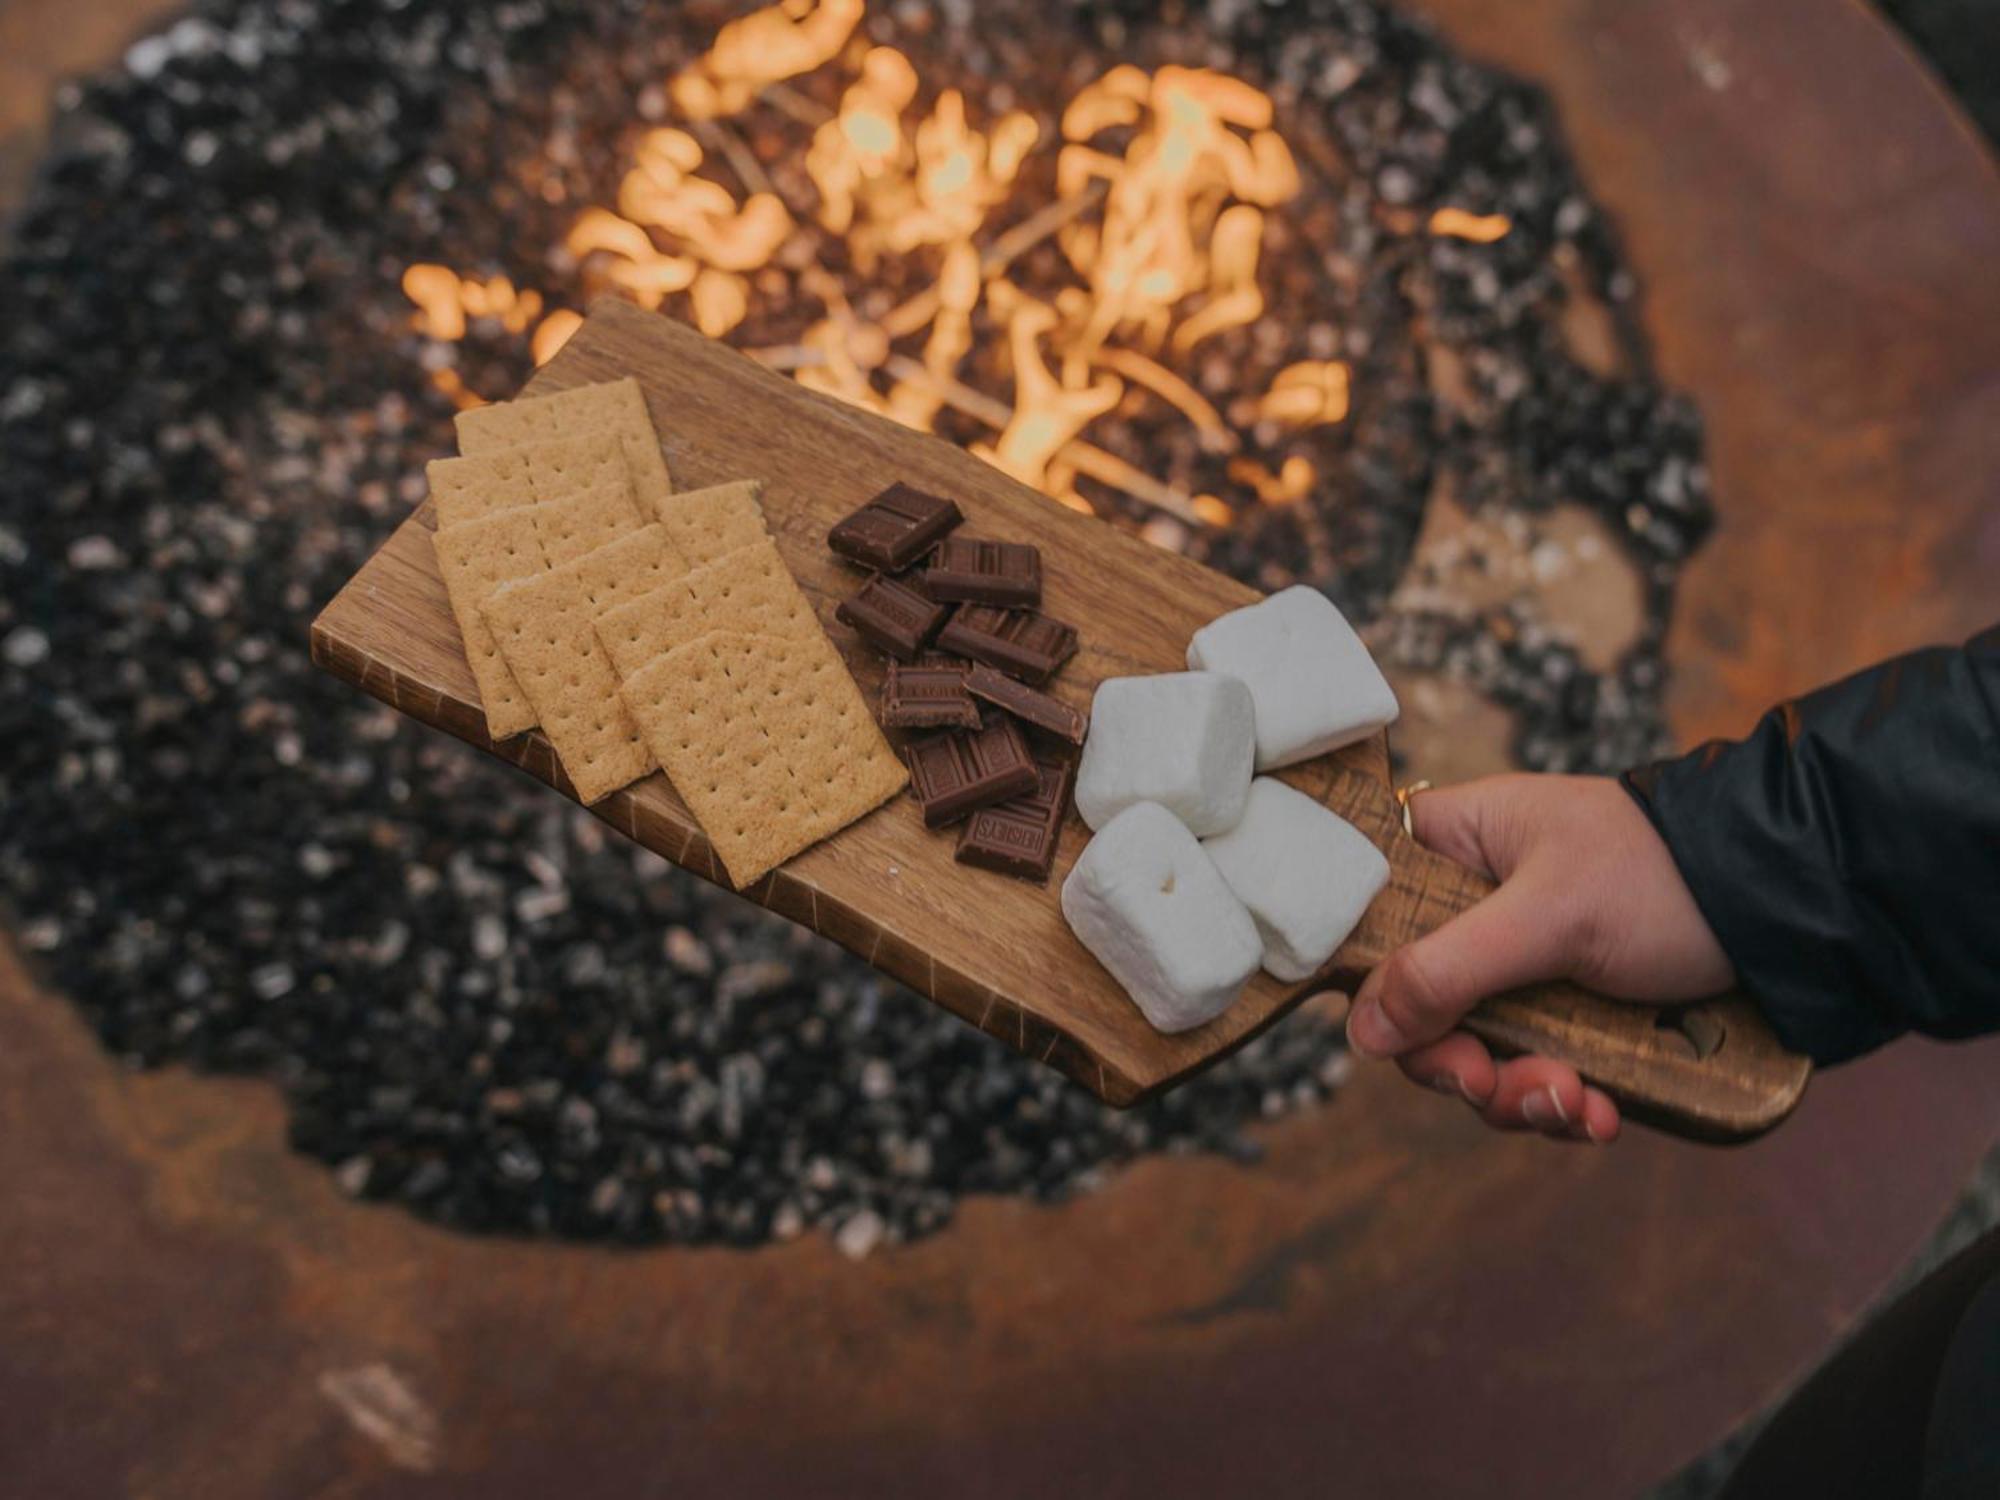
{"x": 644, "y": 629}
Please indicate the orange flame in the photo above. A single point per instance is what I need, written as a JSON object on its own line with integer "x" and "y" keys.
{"x": 445, "y": 301}
{"x": 1178, "y": 172}
{"x": 1046, "y": 414}
{"x": 1165, "y": 182}
{"x": 763, "y": 48}
{"x": 1292, "y": 483}
{"x": 1306, "y": 394}
{"x": 1481, "y": 229}
{"x": 554, "y": 332}
{"x": 712, "y": 238}
{"x": 889, "y": 192}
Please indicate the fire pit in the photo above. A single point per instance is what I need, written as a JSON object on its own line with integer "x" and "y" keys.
{"x": 1395, "y": 1302}
{"x": 1276, "y": 287}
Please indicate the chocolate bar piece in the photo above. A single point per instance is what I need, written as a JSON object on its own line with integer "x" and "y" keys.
{"x": 955, "y": 774}
{"x": 1020, "y": 642}
{"x": 1030, "y": 705}
{"x": 929, "y": 695}
{"x": 966, "y": 570}
{"x": 894, "y": 529}
{"x": 893, "y": 617}
{"x": 1020, "y": 837}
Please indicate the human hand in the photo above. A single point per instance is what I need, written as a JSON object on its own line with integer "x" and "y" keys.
{"x": 1588, "y": 891}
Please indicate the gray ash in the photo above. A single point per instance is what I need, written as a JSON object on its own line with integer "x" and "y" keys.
{"x": 475, "y": 1000}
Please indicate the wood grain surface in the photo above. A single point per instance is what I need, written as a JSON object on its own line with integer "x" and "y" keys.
{"x": 1711, "y": 1071}
{"x": 995, "y": 951}
{"x": 991, "y": 949}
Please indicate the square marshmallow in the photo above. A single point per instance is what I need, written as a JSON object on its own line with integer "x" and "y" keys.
{"x": 1305, "y": 873}
{"x": 1153, "y": 909}
{"x": 1185, "y": 740}
{"x": 1315, "y": 685}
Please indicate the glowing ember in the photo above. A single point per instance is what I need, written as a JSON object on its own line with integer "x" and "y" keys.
{"x": 1481, "y": 229}
{"x": 1306, "y": 394}
{"x": 1293, "y": 481}
{"x": 1183, "y": 163}
{"x": 444, "y": 302}
{"x": 764, "y": 48}
{"x": 1164, "y": 185}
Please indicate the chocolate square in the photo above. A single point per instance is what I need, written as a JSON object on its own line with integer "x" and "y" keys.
{"x": 894, "y": 529}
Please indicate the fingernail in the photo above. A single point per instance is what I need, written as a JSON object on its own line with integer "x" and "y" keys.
{"x": 1371, "y": 1033}
{"x": 1591, "y": 1135}
{"x": 1471, "y": 1098}
{"x": 1555, "y": 1103}
{"x": 1541, "y": 1108}
{"x": 1446, "y": 1083}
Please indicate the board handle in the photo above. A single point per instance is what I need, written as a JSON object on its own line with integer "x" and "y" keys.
{"x": 1709, "y": 1070}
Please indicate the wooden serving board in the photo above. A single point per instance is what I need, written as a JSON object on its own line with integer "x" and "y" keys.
{"x": 993, "y": 950}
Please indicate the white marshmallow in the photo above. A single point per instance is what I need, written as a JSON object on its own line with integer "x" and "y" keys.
{"x": 1153, "y": 909}
{"x": 1305, "y": 873}
{"x": 1315, "y": 685}
{"x": 1185, "y": 740}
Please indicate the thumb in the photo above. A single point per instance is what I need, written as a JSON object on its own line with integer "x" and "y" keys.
{"x": 1422, "y": 990}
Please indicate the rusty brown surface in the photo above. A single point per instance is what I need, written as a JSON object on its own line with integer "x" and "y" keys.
{"x": 1397, "y": 1298}
{"x": 1396, "y": 1303}
{"x": 42, "y": 41}
{"x": 1815, "y": 231}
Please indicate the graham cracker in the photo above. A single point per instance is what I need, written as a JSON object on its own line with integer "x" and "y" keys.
{"x": 543, "y": 627}
{"x": 477, "y": 558}
{"x": 737, "y": 784}
{"x": 465, "y": 489}
{"x": 752, "y": 590}
{"x": 748, "y": 590}
{"x": 709, "y": 523}
{"x": 809, "y": 707}
{"x": 650, "y": 625}
{"x": 564, "y": 465}
{"x": 584, "y": 521}
{"x": 626, "y": 567}
{"x": 617, "y": 406}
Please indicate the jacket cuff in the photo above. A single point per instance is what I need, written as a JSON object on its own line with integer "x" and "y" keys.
{"x": 1780, "y": 918}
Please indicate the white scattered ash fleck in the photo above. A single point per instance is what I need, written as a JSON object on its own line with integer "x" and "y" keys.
{"x": 489, "y": 937}
{"x": 878, "y": 1079}
{"x": 94, "y": 553}
{"x": 384, "y": 1408}
{"x": 537, "y": 906}
{"x": 788, "y": 1223}
{"x": 1549, "y": 561}
{"x": 688, "y": 953}
{"x": 1709, "y": 65}
{"x": 25, "y": 647}
{"x": 272, "y": 981}
{"x": 857, "y": 1238}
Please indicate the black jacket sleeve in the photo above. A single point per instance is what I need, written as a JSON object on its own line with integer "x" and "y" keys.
{"x": 1847, "y": 853}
